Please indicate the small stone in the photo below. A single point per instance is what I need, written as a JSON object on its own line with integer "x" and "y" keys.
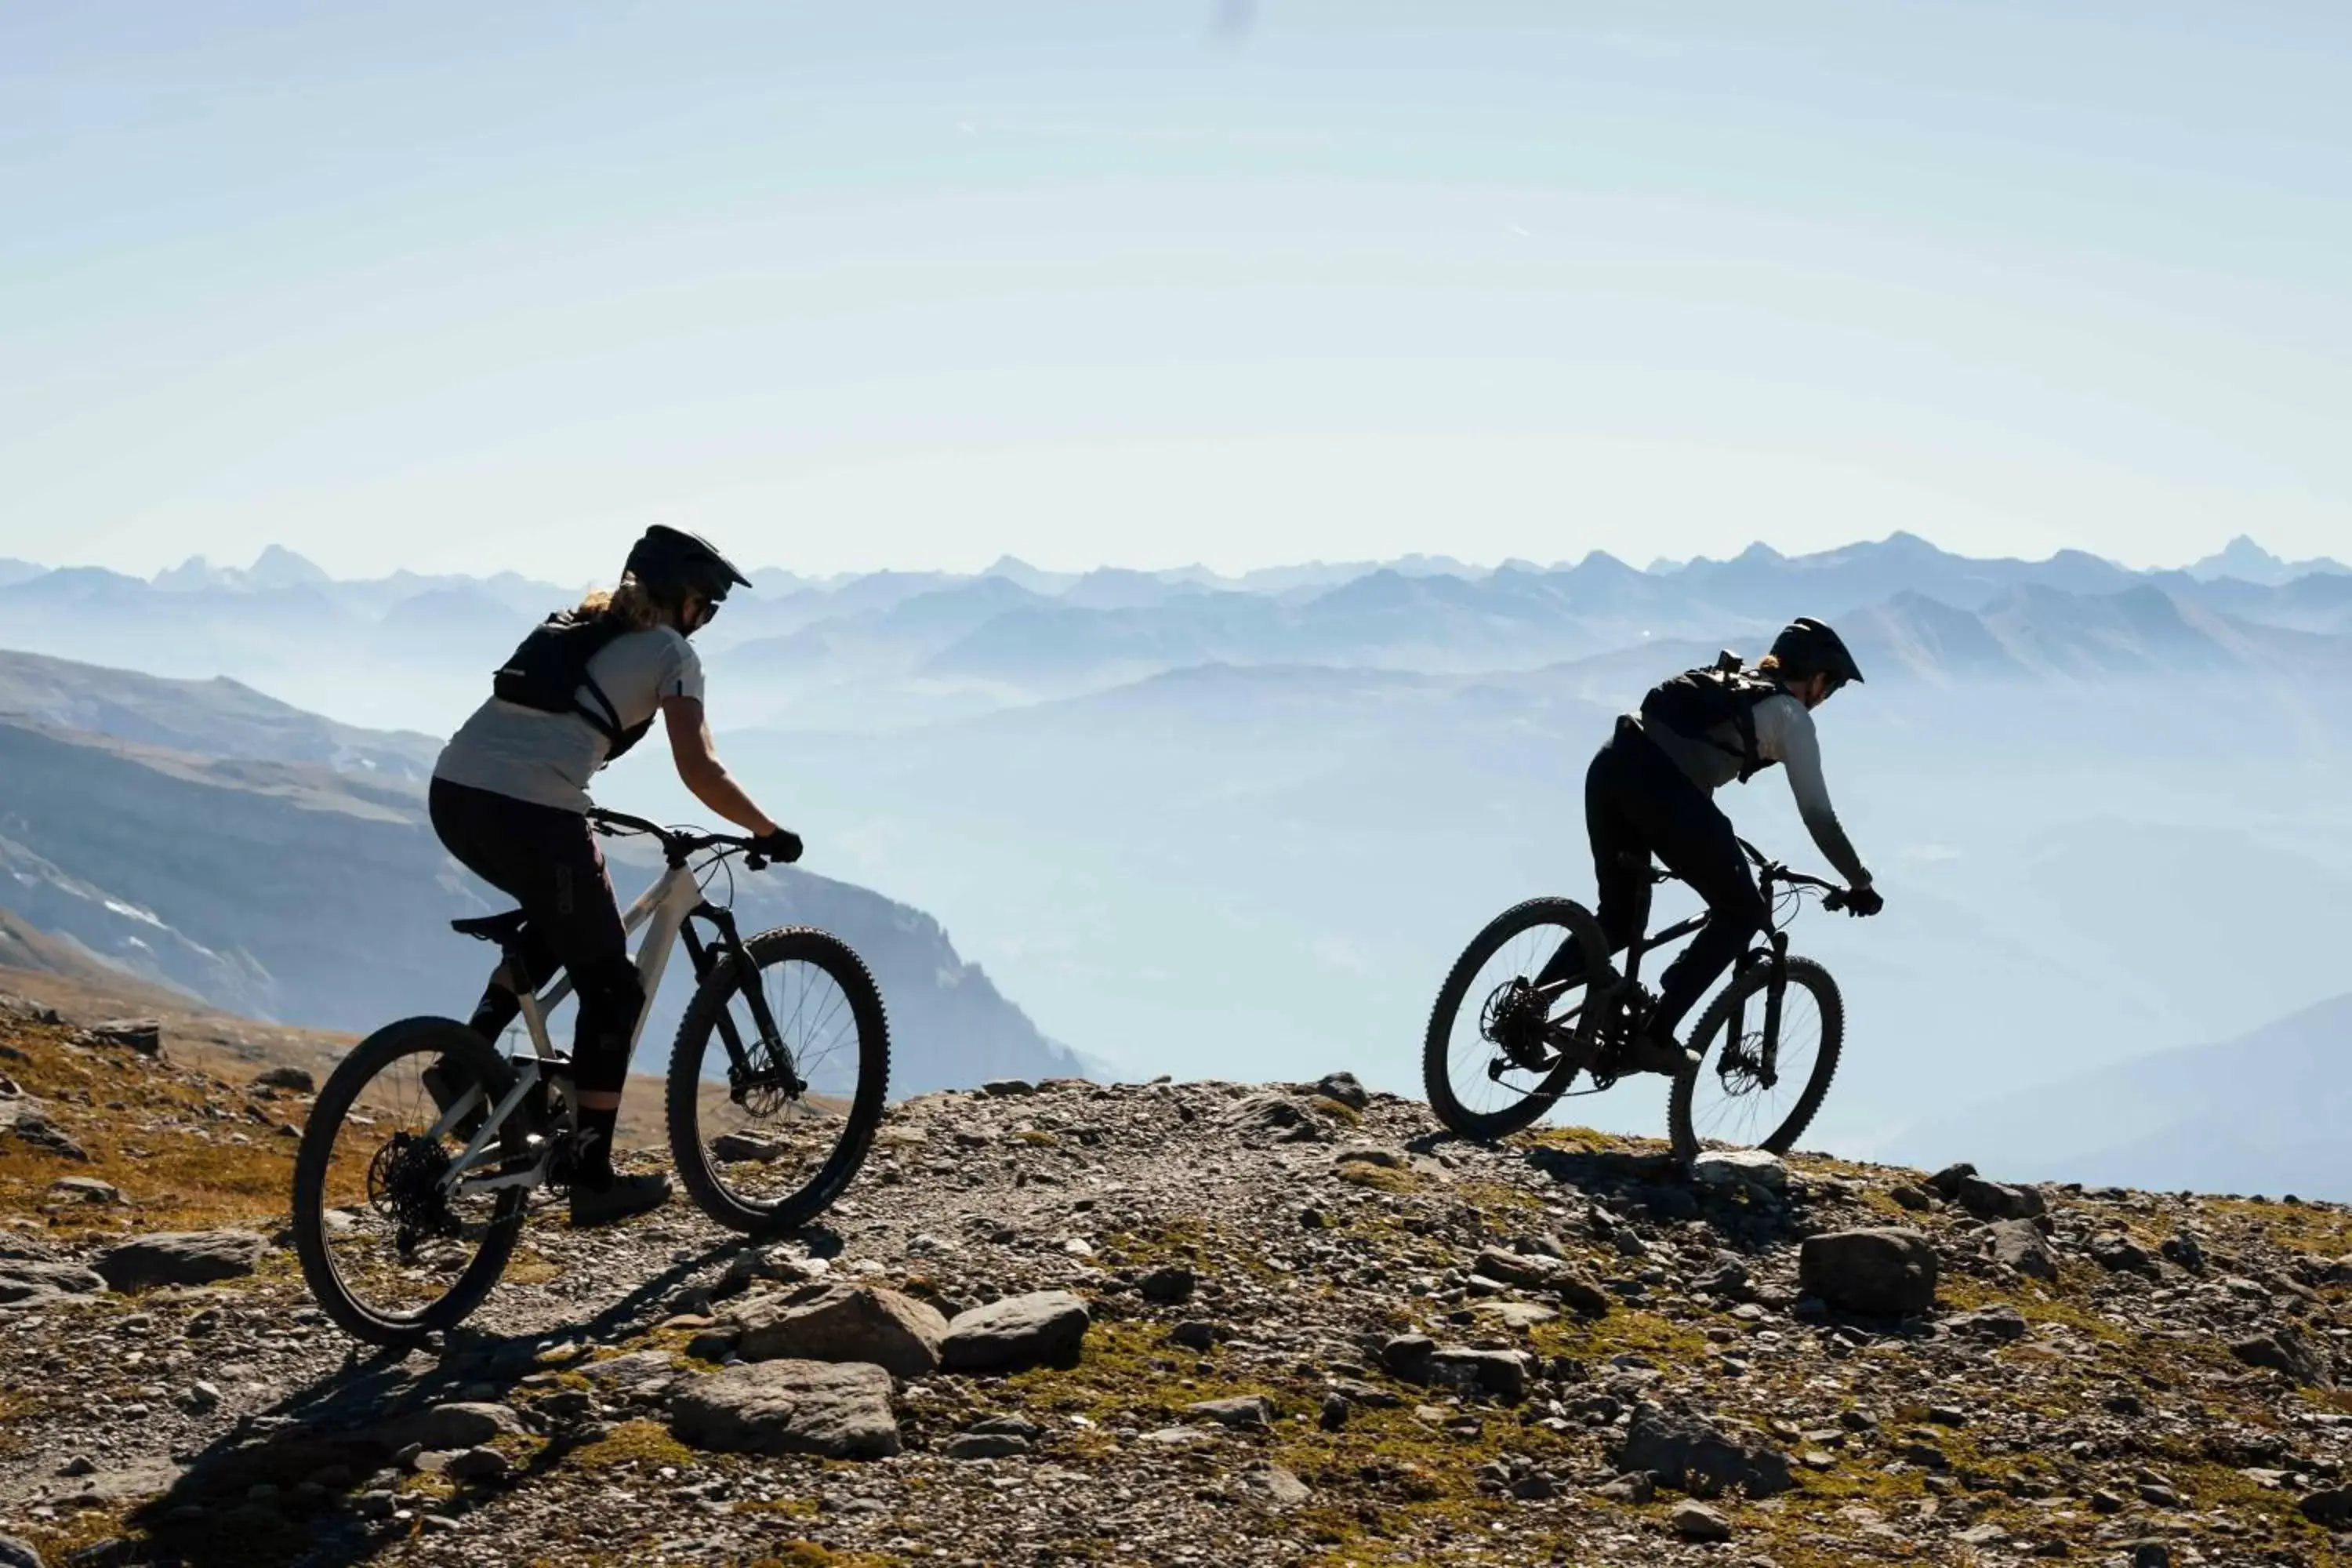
{"x": 1007, "y": 1087}
{"x": 1253, "y": 1412}
{"x": 1168, "y": 1286}
{"x": 1696, "y": 1521}
{"x": 1636, "y": 1486}
{"x": 288, "y": 1077}
{"x": 1274, "y": 1486}
{"x": 86, "y": 1190}
{"x": 984, "y": 1445}
{"x": 477, "y": 1465}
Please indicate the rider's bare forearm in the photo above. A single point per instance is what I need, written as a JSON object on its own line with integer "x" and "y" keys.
{"x": 715, "y": 787}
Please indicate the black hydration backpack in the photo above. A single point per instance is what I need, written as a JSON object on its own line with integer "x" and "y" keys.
{"x": 1698, "y": 702}
{"x": 549, "y": 673}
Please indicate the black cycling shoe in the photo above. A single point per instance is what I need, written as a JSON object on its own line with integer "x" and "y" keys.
{"x": 1646, "y": 1053}
{"x": 621, "y": 1197}
{"x": 447, "y": 1081}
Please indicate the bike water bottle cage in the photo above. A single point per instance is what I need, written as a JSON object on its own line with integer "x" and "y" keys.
{"x": 1698, "y": 703}
{"x": 549, "y": 674}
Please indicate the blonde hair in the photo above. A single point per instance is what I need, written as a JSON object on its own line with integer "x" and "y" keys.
{"x": 1768, "y": 664}
{"x": 632, "y": 601}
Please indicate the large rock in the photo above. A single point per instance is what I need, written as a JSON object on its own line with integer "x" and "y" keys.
{"x": 1886, "y": 1272}
{"x": 24, "y": 1119}
{"x": 842, "y": 1322}
{"x": 1503, "y": 1374}
{"x": 2284, "y": 1350}
{"x": 2328, "y": 1510}
{"x": 1992, "y": 1200}
{"x": 181, "y": 1257}
{"x": 16, "y": 1553}
{"x": 1041, "y": 1330}
{"x": 2115, "y": 1250}
{"x": 288, "y": 1077}
{"x": 28, "y": 1281}
{"x": 1735, "y": 1168}
{"x": 1343, "y": 1088}
{"x": 145, "y": 1036}
{"x": 1680, "y": 1447}
{"x": 2020, "y": 1245}
{"x": 836, "y": 1410}
{"x": 442, "y": 1428}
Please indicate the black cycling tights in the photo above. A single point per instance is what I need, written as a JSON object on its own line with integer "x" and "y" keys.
{"x": 1638, "y": 804}
{"x": 547, "y": 861}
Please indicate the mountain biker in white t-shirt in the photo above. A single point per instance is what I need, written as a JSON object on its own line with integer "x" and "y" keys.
{"x": 508, "y": 799}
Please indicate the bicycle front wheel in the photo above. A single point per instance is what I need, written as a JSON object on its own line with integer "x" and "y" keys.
{"x": 767, "y": 1133}
{"x": 389, "y": 1253}
{"x": 1499, "y": 1052}
{"x": 1758, "y": 1084}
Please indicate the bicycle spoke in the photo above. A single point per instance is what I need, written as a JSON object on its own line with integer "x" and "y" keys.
{"x": 765, "y": 1146}
{"x": 1731, "y": 1104}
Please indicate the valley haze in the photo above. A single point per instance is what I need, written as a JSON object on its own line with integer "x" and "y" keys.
{"x": 1239, "y": 825}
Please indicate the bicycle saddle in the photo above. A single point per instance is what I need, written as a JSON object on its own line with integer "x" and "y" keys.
{"x": 501, "y": 929}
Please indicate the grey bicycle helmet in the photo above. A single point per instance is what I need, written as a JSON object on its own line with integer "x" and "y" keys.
{"x": 671, "y": 560}
{"x": 1810, "y": 647}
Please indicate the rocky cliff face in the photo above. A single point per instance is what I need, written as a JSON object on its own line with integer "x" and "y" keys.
{"x": 1171, "y": 1323}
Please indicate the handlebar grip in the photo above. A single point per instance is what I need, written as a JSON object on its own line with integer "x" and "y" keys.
{"x": 1834, "y": 900}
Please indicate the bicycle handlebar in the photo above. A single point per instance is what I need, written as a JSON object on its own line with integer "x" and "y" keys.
{"x": 1773, "y": 871}
{"x": 677, "y": 843}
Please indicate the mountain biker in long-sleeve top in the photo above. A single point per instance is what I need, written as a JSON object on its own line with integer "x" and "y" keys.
{"x": 508, "y": 799}
{"x": 1650, "y": 791}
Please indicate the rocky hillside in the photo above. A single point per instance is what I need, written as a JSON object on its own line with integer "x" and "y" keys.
{"x": 1181, "y": 1324}
{"x": 200, "y": 837}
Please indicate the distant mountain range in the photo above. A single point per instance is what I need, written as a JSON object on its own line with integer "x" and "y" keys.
{"x": 2262, "y": 1113}
{"x": 892, "y": 649}
{"x": 198, "y": 835}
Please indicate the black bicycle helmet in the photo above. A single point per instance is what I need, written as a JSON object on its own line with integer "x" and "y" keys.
{"x": 1809, "y": 648}
{"x": 670, "y": 560}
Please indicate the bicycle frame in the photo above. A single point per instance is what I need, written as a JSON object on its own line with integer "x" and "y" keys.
{"x": 664, "y": 910}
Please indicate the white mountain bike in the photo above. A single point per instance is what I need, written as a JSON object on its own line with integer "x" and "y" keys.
{"x": 406, "y": 1213}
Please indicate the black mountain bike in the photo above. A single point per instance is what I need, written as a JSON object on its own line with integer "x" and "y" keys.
{"x": 1505, "y": 1041}
{"x": 407, "y": 1210}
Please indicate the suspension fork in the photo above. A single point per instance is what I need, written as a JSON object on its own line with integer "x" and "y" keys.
{"x": 730, "y": 953}
{"x": 1775, "y": 991}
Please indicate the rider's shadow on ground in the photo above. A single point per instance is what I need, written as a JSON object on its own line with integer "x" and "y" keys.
{"x": 277, "y": 1488}
{"x": 1635, "y": 1194}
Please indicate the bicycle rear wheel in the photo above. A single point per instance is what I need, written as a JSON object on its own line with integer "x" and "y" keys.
{"x": 1497, "y": 1054}
{"x": 1754, "y": 1088}
{"x": 754, "y": 1151}
{"x": 388, "y": 1256}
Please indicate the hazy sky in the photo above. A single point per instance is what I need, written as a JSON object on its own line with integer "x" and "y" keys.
{"x": 466, "y": 287}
